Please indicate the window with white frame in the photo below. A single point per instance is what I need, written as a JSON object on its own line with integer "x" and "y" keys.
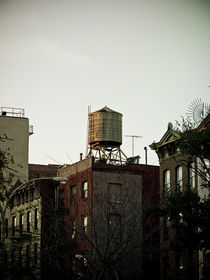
{"x": 179, "y": 178}
{"x": 204, "y": 172}
{"x": 192, "y": 175}
{"x": 84, "y": 225}
{"x": 73, "y": 228}
{"x": 166, "y": 181}
{"x": 84, "y": 189}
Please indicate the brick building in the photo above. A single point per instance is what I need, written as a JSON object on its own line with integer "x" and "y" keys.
{"x": 103, "y": 215}
{"x": 178, "y": 172}
{"x": 27, "y": 221}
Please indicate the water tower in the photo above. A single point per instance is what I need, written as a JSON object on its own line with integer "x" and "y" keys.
{"x": 105, "y": 136}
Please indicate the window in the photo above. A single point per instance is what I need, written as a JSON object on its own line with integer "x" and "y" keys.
{"x": 179, "y": 178}
{"x": 166, "y": 268}
{"x": 6, "y": 227}
{"x": 192, "y": 175}
{"x": 166, "y": 225}
{"x": 32, "y": 194}
{"x": 166, "y": 181}
{"x": 0, "y": 229}
{"x": 22, "y": 198}
{"x": 26, "y": 196}
{"x": 179, "y": 267}
{"x": 36, "y": 219}
{"x": 28, "y": 255}
{"x": 13, "y": 256}
{"x": 84, "y": 189}
{"x": 84, "y": 225}
{"x": 28, "y": 221}
{"x": 73, "y": 194}
{"x": 18, "y": 199}
{"x": 20, "y": 253}
{"x": 61, "y": 198}
{"x": 73, "y": 228}
{"x": 206, "y": 265}
{"x": 13, "y": 225}
{"x": 35, "y": 253}
{"x": 204, "y": 172}
{"x": 21, "y": 221}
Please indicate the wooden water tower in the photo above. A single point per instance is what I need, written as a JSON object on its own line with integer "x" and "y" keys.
{"x": 105, "y": 136}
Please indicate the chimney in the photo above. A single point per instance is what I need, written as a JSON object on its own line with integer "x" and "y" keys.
{"x": 81, "y": 154}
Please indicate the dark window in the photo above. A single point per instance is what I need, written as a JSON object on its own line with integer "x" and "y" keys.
{"x": 84, "y": 189}
{"x": 36, "y": 219}
{"x": 12, "y": 256}
{"x": 28, "y": 221}
{"x": 6, "y": 227}
{"x": 61, "y": 196}
{"x": 20, "y": 256}
{"x": 84, "y": 225}
{"x": 28, "y": 255}
{"x": 179, "y": 267}
{"x": 22, "y": 198}
{"x": 18, "y": 199}
{"x": 206, "y": 266}
{"x": 21, "y": 223}
{"x": 35, "y": 253}
{"x": 0, "y": 229}
{"x": 166, "y": 224}
{"x": 26, "y": 196}
{"x": 32, "y": 194}
{"x": 73, "y": 194}
{"x": 166, "y": 268}
{"x": 13, "y": 225}
{"x": 6, "y": 258}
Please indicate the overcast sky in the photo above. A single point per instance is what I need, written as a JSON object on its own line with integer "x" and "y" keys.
{"x": 148, "y": 59}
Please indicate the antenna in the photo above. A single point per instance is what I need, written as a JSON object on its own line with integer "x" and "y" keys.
{"x": 52, "y": 159}
{"x": 133, "y": 136}
{"x": 198, "y": 110}
{"x": 69, "y": 157}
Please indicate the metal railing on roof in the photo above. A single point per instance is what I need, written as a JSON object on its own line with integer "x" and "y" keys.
{"x": 12, "y": 112}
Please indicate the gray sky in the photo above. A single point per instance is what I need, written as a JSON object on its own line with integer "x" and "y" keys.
{"x": 148, "y": 59}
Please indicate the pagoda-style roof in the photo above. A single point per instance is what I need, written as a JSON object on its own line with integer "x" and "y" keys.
{"x": 169, "y": 137}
